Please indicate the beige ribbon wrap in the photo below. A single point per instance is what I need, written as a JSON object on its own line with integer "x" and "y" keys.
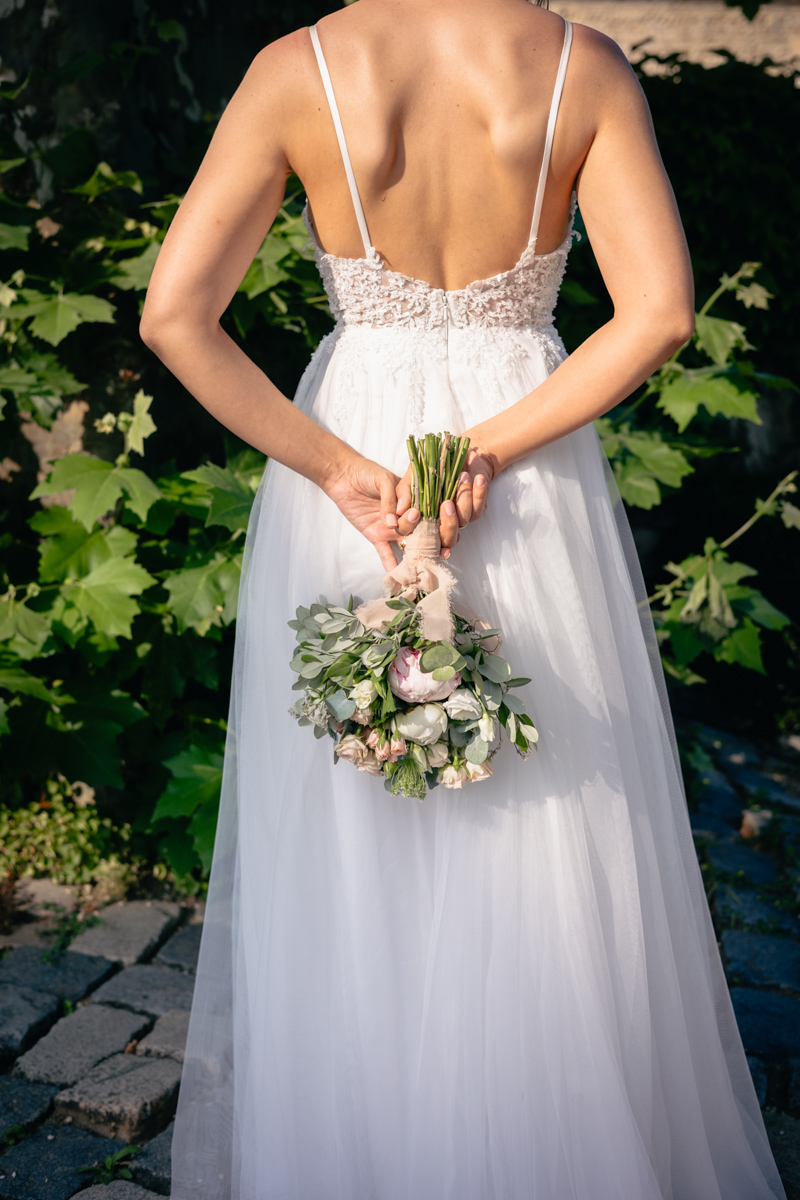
{"x": 421, "y": 572}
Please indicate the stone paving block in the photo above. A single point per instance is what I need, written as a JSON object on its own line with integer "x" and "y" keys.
{"x": 130, "y": 930}
{"x": 69, "y": 976}
{"x": 167, "y": 1039}
{"x": 23, "y": 1104}
{"x": 793, "y": 1091}
{"x": 754, "y": 781}
{"x": 758, "y": 1070}
{"x": 784, "y": 1140}
{"x": 732, "y": 859}
{"x": 44, "y": 898}
{"x": 768, "y": 1022}
{"x": 182, "y": 949}
{"x": 78, "y": 1042}
{"x": 43, "y": 1166}
{"x": 146, "y": 988}
{"x": 128, "y": 1096}
{"x": 720, "y": 799}
{"x": 742, "y": 907}
{"x": 153, "y": 1167}
{"x": 24, "y": 1016}
{"x": 719, "y": 742}
{"x": 712, "y": 828}
{"x": 120, "y": 1189}
{"x": 758, "y": 960}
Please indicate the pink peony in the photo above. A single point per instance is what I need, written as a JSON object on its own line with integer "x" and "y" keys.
{"x": 410, "y": 683}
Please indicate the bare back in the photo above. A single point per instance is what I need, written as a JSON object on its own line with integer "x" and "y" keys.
{"x": 445, "y": 113}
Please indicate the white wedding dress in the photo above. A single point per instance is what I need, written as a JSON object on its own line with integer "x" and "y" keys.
{"x": 510, "y": 992}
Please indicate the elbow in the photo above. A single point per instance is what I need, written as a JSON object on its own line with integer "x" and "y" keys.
{"x": 678, "y": 329}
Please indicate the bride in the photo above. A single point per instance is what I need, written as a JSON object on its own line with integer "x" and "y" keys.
{"x": 511, "y": 992}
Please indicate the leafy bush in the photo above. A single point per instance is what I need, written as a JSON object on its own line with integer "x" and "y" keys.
{"x": 61, "y": 836}
{"x": 121, "y": 557}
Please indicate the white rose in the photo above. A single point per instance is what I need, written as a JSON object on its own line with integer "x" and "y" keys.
{"x": 463, "y": 705}
{"x": 364, "y": 693}
{"x": 362, "y": 716}
{"x": 438, "y": 755}
{"x": 370, "y": 764}
{"x": 353, "y": 749}
{"x": 453, "y": 777}
{"x": 486, "y": 727}
{"x": 478, "y": 771}
{"x": 424, "y": 724}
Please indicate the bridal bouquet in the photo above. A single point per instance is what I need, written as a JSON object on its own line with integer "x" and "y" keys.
{"x": 410, "y": 686}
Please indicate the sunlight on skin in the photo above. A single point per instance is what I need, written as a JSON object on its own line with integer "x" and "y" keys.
{"x": 463, "y": 87}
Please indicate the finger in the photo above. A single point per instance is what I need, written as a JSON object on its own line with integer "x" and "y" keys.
{"x": 403, "y": 492}
{"x": 387, "y": 555}
{"x": 480, "y": 496}
{"x": 448, "y": 524}
{"x": 408, "y": 522}
{"x": 388, "y": 488}
{"x": 464, "y": 499}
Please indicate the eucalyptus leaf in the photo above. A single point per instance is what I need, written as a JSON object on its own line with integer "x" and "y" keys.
{"x": 477, "y": 750}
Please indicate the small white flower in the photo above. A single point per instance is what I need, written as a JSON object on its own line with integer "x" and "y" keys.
{"x": 370, "y": 764}
{"x": 352, "y": 748}
{"x": 453, "y": 777}
{"x": 362, "y": 716}
{"x": 364, "y": 693}
{"x": 438, "y": 755}
{"x": 478, "y": 771}
{"x": 463, "y": 705}
{"x": 486, "y": 727}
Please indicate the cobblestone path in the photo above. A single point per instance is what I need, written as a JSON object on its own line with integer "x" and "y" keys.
{"x": 91, "y": 1043}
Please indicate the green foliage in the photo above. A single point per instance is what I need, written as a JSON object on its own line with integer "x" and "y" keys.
{"x": 61, "y": 836}
{"x": 114, "y": 1166}
{"x": 119, "y": 582}
{"x": 704, "y": 608}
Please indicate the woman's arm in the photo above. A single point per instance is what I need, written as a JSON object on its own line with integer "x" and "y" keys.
{"x": 214, "y": 237}
{"x": 632, "y": 221}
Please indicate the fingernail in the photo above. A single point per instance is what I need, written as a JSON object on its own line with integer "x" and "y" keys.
{"x": 448, "y": 508}
{"x": 480, "y": 480}
{"x": 412, "y": 514}
{"x": 465, "y": 476}
{"x": 390, "y": 519}
{"x": 445, "y": 554}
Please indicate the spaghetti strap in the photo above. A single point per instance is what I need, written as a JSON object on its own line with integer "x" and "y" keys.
{"x": 337, "y": 122}
{"x": 551, "y": 128}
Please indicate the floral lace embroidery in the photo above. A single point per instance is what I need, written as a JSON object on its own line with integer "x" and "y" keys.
{"x": 362, "y": 291}
{"x": 496, "y": 355}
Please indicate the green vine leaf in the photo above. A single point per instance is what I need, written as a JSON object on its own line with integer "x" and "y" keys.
{"x": 681, "y": 398}
{"x": 105, "y": 595}
{"x": 718, "y": 338}
{"x": 56, "y": 315}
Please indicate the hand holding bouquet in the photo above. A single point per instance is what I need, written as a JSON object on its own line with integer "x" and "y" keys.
{"x": 410, "y": 687}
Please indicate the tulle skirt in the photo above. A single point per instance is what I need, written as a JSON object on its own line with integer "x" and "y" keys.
{"x": 510, "y": 992}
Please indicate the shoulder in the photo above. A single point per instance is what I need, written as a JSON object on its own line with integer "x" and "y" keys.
{"x": 281, "y": 63}
{"x": 600, "y": 73}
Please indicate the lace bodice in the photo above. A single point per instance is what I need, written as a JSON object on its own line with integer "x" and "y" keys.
{"x": 363, "y": 291}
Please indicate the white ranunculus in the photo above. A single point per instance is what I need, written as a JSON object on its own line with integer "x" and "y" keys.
{"x": 353, "y": 749}
{"x": 438, "y": 755}
{"x": 424, "y": 724}
{"x": 364, "y": 693}
{"x": 453, "y": 777}
{"x": 463, "y": 705}
{"x": 486, "y": 727}
{"x": 478, "y": 771}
